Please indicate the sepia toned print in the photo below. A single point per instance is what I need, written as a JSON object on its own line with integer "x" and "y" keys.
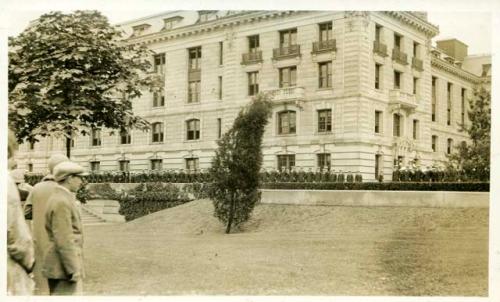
{"x": 324, "y": 153}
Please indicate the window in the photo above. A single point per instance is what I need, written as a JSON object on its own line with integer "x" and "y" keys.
{"x": 397, "y": 41}
{"x": 415, "y": 86}
{"x": 220, "y": 88}
{"x": 325, "y": 75}
{"x": 399, "y": 161}
{"x": 192, "y": 164}
{"x": 415, "y": 49}
{"x": 194, "y": 92}
{"x": 434, "y": 143}
{"x": 95, "y": 166}
{"x": 170, "y": 22}
{"x": 462, "y": 107}
{"x": 286, "y": 122}
{"x": 378, "y": 32}
{"x": 95, "y": 137}
{"x": 378, "y": 121}
{"x": 325, "y": 31}
{"x": 288, "y": 76}
{"x": 449, "y": 145}
{"x": 157, "y": 133}
{"x": 253, "y": 44}
{"x": 378, "y": 165}
{"x": 194, "y": 58}
{"x": 288, "y": 38}
{"x": 449, "y": 104}
{"x": 156, "y": 164}
{"x": 32, "y": 146}
{"x": 193, "y": 129}
{"x": 377, "y": 75}
{"x": 396, "y": 128}
{"x": 125, "y": 137}
{"x": 30, "y": 167}
{"x": 253, "y": 83}
{"x": 207, "y": 15}
{"x": 158, "y": 99}
{"x": 324, "y": 161}
{"x": 159, "y": 63}
{"x": 415, "y": 129}
{"x": 124, "y": 165}
{"x": 72, "y": 143}
{"x": 219, "y": 128}
{"x": 286, "y": 162}
{"x": 433, "y": 99}
{"x": 221, "y": 53}
{"x": 397, "y": 80}
{"x": 325, "y": 120}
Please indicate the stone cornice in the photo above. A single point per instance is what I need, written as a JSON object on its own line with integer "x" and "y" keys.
{"x": 429, "y": 29}
{"x": 447, "y": 67}
{"x": 209, "y": 26}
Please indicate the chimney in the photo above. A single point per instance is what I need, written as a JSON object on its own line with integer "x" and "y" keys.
{"x": 454, "y": 48}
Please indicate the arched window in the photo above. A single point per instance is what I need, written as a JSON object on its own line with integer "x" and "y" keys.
{"x": 157, "y": 132}
{"x": 193, "y": 129}
{"x": 287, "y": 122}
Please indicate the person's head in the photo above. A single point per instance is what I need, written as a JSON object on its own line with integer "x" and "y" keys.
{"x": 54, "y": 160}
{"x": 69, "y": 175}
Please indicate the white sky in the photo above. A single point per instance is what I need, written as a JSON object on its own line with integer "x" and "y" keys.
{"x": 470, "y": 22}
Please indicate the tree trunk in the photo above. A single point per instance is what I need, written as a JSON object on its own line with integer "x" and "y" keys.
{"x": 68, "y": 146}
{"x": 231, "y": 214}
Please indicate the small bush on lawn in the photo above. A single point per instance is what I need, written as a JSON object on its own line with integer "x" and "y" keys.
{"x": 148, "y": 198}
{"x": 388, "y": 186}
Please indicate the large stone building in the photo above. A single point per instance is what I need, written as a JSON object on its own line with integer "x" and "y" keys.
{"x": 352, "y": 91}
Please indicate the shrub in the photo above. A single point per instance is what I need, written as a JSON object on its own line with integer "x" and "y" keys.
{"x": 387, "y": 186}
{"x": 148, "y": 198}
{"x": 199, "y": 190}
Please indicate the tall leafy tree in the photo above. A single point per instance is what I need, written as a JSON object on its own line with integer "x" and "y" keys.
{"x": 473, "y": 158}
{"x": 69, "y": 73}
{"x": 235, "y": 168}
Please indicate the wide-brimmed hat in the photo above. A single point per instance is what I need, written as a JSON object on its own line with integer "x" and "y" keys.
{"x": 66, "y": 169}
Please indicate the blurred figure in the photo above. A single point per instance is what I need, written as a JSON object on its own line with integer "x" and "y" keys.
{"x": 34, "y": 209}
{"x": 23, "y": 187}
{"x": 63, "y": 262}
{"x": 20, "y": 248}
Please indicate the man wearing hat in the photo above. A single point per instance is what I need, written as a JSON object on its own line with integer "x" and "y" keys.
{"x": 23, "y": 187}
{"x": 63, "y": 261}
{"x": 34, "y": 209}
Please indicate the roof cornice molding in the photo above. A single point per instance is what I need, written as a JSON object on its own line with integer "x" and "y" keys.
{"x": 447, "y": 67}
{"x": 429, "y": 29}
{"x": 209, "y": 26}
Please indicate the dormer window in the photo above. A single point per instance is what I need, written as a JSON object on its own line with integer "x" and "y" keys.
{"x": 139, "y": 30}
{"x": 207, "y": 15}
{"x": 169, "y": 23}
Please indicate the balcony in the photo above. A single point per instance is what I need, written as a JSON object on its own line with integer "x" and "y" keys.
{"x": 251, "y": 57}
{"x": 417, "y": 64}
{"x": 399, "y": 56}
{"x": 380, "y": 48}
{"x": 402, "y": 100}
{"x": 286, "y": 52}
{"x": 327, "y": 45}
{"x": 287, "y": 94}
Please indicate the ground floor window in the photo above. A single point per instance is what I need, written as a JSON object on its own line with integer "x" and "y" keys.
{"x": 156, "y": 164}
{"x": 324, "y": 161}
{"x": 124, "y": 165}
{"x": 192, "y": 164}
{"x": 286, "y": 162}
{"x": 95, "y": 166}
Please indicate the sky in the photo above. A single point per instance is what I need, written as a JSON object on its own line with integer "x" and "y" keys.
{"x": 470, "y": 22}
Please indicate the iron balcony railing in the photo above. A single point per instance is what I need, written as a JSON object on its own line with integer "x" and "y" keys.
{"x": 399, "y": 56}
{"x": 324, "y": 45}
{"x": 289, "y": 51}
{"x": 417, "y": 64}
{"x": 252, "y": 57}
{"x": 380, "y": 48}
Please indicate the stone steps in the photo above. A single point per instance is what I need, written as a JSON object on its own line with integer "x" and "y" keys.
{"x": 89, "y": 218}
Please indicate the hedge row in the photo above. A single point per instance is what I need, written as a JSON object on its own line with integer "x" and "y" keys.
{"x": 387, "y": 186}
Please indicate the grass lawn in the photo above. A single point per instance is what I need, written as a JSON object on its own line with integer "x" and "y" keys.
{"x": 292, "y": 250}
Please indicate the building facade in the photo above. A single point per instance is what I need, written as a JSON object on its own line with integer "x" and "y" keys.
{"x": 359, "y": 92}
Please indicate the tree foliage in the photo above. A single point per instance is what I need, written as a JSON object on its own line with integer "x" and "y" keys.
{"x": 236, "y": 166}
{"x": 72, "y": 72}
{"x": 473, "y": 158}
